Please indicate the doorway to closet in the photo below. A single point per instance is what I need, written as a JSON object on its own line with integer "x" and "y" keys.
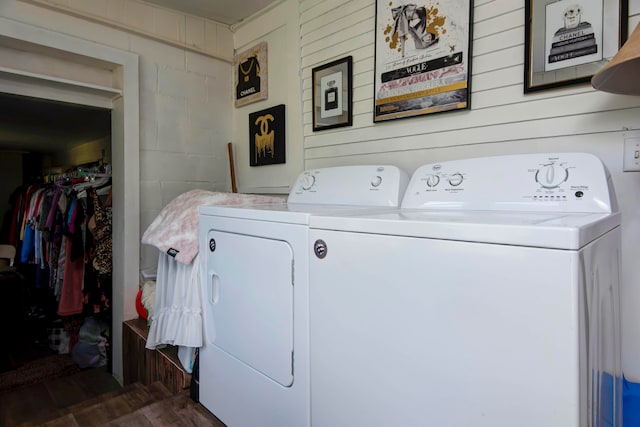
{"x": 57, "y": 296}
{"x": 50, "y": 65}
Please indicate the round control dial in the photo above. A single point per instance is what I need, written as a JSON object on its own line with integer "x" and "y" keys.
{"x": 551, "y": 175}
{"x": 376, "y": 181}
{"x": 433, "y": 180}
{"x": 455, "y": 179}
{"x": 308, "y": 181}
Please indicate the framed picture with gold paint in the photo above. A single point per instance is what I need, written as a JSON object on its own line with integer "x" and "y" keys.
{"x": 267, "y": 136}
{"x": 422, "y": 57}
{"x": 250, "y": 75}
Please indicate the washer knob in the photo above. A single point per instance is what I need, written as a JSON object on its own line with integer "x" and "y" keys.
{"x": 551, "y": 175}
{"x": 433, "y": 180}
{"x": 456, "y": 179}
{"x": 308, "y": 181}
{"x": 376, "y": 181}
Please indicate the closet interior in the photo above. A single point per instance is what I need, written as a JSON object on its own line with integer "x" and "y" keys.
{"x": 55, "y": 211}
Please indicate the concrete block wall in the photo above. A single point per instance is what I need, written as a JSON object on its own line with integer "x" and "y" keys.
{"x": 185, "y": 113}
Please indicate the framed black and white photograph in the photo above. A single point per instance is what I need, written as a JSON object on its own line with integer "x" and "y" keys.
{"x": 267, "y": 136}
{"x": 332, "y": 94}
{"x": 568, "y": 41}
{"x": 422, "y": 57}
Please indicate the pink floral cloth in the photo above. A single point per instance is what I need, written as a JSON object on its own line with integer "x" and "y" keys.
{"x": 175, "y": 229}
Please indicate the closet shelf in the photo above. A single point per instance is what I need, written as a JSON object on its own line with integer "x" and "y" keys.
{"x": 22, "y": 82}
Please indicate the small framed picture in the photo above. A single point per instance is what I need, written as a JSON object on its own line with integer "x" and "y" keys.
{"x": 333, "y": 94}
{"x": 567, "y": 42}
{"x": 267, "y": 136}
{"x": 250, "y": 75}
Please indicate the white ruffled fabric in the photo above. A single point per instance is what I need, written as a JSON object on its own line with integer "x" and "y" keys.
{"x": 177, "y": 313}
{"x": 177, "y": 310}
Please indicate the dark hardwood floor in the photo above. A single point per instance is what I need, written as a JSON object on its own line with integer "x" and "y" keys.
{"x": 90, "y": 397}
{"x": 94, "y": 398}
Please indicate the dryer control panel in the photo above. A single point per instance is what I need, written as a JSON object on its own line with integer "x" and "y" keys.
{"x": 556, "y": 182}
{"x": 362, "y": 185}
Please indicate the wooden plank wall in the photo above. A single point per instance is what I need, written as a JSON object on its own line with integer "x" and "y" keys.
{"x": 500, "y": 111}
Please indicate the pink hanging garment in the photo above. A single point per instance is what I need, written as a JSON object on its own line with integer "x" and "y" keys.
{"x": 71, "y": 295}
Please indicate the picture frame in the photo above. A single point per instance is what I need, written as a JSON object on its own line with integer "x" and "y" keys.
{"x": 422, "y": 57}
{"x": 250, "y": 75}
{"x": 567, "y": 42}
{"x": 333, "y": 94}
{"x": 267, "y": 132}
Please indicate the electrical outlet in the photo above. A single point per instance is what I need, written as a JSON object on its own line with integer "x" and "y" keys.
{"x": 631, "y": 156}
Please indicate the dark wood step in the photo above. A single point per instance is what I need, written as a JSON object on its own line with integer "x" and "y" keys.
{"x": 146, "y": 366}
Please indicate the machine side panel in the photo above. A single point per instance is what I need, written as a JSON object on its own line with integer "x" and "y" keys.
{"x": 601, "y": 361}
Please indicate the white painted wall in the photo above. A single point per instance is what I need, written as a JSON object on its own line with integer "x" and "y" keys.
{"x": 278, "y": 26}
{"x": 502, "y": 119}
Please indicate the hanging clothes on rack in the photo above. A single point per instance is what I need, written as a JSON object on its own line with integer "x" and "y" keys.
{"x": 64, "y": 230}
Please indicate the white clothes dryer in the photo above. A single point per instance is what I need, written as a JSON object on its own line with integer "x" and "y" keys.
{"x": 491, "y": 299}
{"x": 254, "y": 366}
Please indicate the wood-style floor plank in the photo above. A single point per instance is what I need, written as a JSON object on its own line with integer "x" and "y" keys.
{"x": 115, "y": 407}
{"x": 25, "y": 404}
{"x": 89, "y": 399}
{"x": 63, "y": 421}
{"x": 194, "y": 414}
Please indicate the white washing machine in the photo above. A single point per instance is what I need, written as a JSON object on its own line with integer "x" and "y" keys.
{"x": 491, "y": 299}
{"x": 254, "y": 366}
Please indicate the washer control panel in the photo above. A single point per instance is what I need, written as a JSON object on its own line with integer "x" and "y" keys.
{"x": 562, "y": 182}
{"x": 366, "y": 185}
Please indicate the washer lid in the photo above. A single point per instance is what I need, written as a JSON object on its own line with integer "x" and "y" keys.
{"x": 534, "y": 229}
